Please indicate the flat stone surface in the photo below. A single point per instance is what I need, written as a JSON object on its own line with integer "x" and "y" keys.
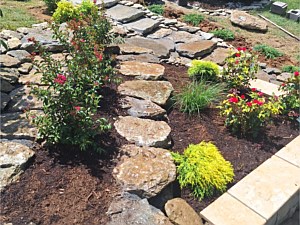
{"x": 25, "y": 68}
{"x": 13, "y": 43}
{"x": 144, "y": 132}
{"x": 129, "y": 209}
{"x": 11, "y": 75}
{"x": 8, "y": 61}
{"x": 265, "y": 87}
{"x": 218, "y": 56}
{"x": 142, "y": 70}
{"x": 145, "y": 179}
{"x": 31, "y": 78}
{"x": 284, "y": 76}
{"x": 155, "y": 91}
{"x": 160, "y": 33}
{"x": 291, "y": 152}
{"x": 5, "y": 98}
{"x": 184, "y": 37}
{"x": 181, "y": 213}
{"x": 7, "y": 34}
{"x": 270, "y": 186}
{"x": 161, "y": 47}
{"x": 124, "y": 14}
{"x": 140, "y": 57}
{"x": 143, "y": 26}
{"x": 16, "y": 126}
{"x": 248, "y": 21}
{"x": 227, "y": 210}
{"x": 21, "y": 55}
{"x": 133, "y": 49}
{"x": 142, "y": 108}
{"x": 196, "y": 49}
{"x": 13, "y": 159}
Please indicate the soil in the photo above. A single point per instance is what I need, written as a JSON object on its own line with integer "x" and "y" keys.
{"x": 66, "y": 186}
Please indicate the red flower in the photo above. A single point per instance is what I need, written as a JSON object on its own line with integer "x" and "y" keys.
{"x": 77, "y": 108}
{"x": 253, "y": 89}
{"x": 237, "y": 62}
{"x": 95, "y": 1}
{"x": 239, "y": 49}
{"x": 237, "y": 54}
{"x": 234, "y": 100}
{"x": 255, "y": 101}
{"x": 260, "y": 94}
{"x": 283, "y": 84}
{"x": 243, "y": 97}
{"x": 32, "y": 39}
{"x": 249, "y": 104}
{"x": 244, "y": 49}
{"x": 296, "y": 73}
{"x": 60, "y": 79}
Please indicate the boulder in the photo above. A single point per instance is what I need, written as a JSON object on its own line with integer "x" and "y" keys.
{"x": 145, "y": 179}
{"x": 196, "y": 49}
{"x": 142, "y": 108}
{"x": 14, "y": 158}
{"x": 140, "y": 57}
{"x": 248, "y": 21}
{"x": 144, "y": 132}
{"x": 124, "y": 14}
{"x": 142, "y": 70}
{"x": 8, "y": 61}
{"x": 129, "y": 209}
{"x": 158, "y": 92}
{"x": 181, "y": 213}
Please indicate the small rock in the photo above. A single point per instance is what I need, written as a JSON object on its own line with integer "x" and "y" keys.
{"x": 206, "y": 36}
{"x": 25, "y": 68}
{"x": 263, "y": 76}
{"x": 262, "y": 65}
{"x": 284, "y": 76}
{"x": 23, "y": 30}
{"x": 21, "y": 55}
{"x": 189, "y": 29}
{"x": 270, "y": 70}
{"x": 13, "y": 43}
{"x": 41, "y": 26}
{"x": 11, "y": 75}
{"x": 8, "y": 61}
{"x": 169, "y": 22}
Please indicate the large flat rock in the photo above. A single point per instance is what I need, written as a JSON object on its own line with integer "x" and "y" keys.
{"x": 145, "y": 179}
{"x": 140, "y": 57}
{"x": 160, "y": 33}
{"x": 155, "y": 91}
{"x": 196, "y": 49}
{"x": 184, "y": 37}
{"x": 133, "y": 49}
{"x": 143, "y": 26}
{"x": 218, "y": 56}
{"x": 161, "y": 47}
{"x": 144, "y": 132}
{"x": 142, "y": 70}
{"x": 248, "y": 21}
{"x": 9, "y": 61}
{"x": 124, "y": 14}
{"x": 21, "y": 55}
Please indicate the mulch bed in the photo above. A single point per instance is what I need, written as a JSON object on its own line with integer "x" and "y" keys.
{"x": 66, "y": 186}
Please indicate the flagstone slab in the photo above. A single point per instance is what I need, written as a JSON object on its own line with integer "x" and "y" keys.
{"x": 184, "y": 37}
{"x": 21, "y": 55}
{"x": 143, "y": 26}
{"x": 142, "y": 70}
{"x": 196, "y": 49}
{"x": 8, "y": 61}
{"x": 160, "y": 33}
{"x": 124, "y": 14}
{"x": 291, "y": 152}
{"x": 156, "y": 91}
{"x": 144, "y": 132}
{"x": 266, "y": 87}
{"x": 140, "y": 57}
{"x": 133, "y": 49}
{"x": 10, "y": 75}
{"x": 218, "y": 56}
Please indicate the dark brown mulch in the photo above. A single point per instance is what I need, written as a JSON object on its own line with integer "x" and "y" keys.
{"x": 66, "y": 186}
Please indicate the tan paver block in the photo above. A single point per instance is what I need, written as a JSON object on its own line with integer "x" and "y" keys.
{"x": 226, "y": 210}
{"x": 265, "y": 87}
{"x": 291, "y": 152}
{"x": 270, "y": 186}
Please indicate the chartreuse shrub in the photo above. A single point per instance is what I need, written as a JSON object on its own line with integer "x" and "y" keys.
{"x": 202, "y": 168}
{"x": 196, "y": 96}
{"x": 156, "y": 8}
{"x": 225, "y": 34}
{"x": 203, "y": 70}
{"x": 71, "y": 97}
{"x": 267, "y": 51}
{"x": 194, "y": 19}
{"x": 241, "y": 67}
{"x": 247, "y": 114}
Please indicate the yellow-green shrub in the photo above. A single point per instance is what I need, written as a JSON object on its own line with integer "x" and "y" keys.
{"x": 65, "y": 11}
{"x": 202, "y": 168}
{"x": 201, "y": 69}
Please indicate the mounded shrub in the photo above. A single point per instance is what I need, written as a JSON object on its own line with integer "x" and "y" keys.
{"x": 203, "y": 70}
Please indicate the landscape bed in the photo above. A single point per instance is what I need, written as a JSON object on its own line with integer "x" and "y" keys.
{"x": 65, "y": 184}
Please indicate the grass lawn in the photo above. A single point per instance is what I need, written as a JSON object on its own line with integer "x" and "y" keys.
{"x": 16, "y": 13}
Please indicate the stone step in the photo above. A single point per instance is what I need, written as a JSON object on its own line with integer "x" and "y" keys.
{"x": 266, "y": 87}
{"x": 140, "y": 57}
{"x": 142, "y": 70}
{"x": 144, "y": 132}
{"x": 143, "y": 26}
{"x": 124, "y": 14}
{"x": 196, "y": 49}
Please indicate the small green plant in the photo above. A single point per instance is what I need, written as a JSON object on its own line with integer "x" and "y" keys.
{"x": 225, "y": 34}
{"x": 198, "y": 95}
{"x": 290, "y": 69}
{"x": 203, "y": 169}
{"x": 158, "y": 9}
{"x": 194, "y": 19}
{"x": 51, "y": 5}
{"x": 241, "y": 67}
{"x": 267, "y": 51}
{"x": 203, "y": 70}
{"x": 86, "y": 7}
{"x": 246, "y": 114}
{"x": 65, "y": 11}
{"x": 291, "y": 98}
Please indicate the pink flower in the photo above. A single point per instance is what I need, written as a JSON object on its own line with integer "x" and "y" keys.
{"x": 296, "y": 73}
{"x": 77, "y": 108}
{"x": 60, "y": 79}
{"x": 243, "y": 97}
{"x": 95, "y": 1}
{"x": 234, "y": 100}
{"x": 260, "y": 94}
{"x": 249, "y": 104}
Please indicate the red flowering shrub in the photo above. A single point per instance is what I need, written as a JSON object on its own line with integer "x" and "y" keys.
{"x": 71, "y": 99}
{"x": 247, "y": 114}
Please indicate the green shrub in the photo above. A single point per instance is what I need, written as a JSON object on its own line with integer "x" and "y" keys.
{"x": 267, "y": 51}
{"x": 65, "y": 11}
{"x": 203, "y": 70}
{"x": 86, "y": 7}
{"x": 290, "y": 69}
{"x": 198, "y": 95}
{"x": 194, "y": 19}
{"x": 225, "y": 34}
{"x": 155, "y": 8}
{"x": 51, "y": 5}
{"x": 203, "y": 169}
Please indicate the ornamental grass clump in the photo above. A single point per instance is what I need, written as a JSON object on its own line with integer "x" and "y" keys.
{"x": 70, "y": 94}
{"x": 267, "y": 51}
{"x": 203, "y": 70}
{"x": 225, "y": 34}
{"x": 193, "y": 19}
{"x": 202, "y": 168}
{"x": 156, "y": 8}
{"x": 247, "y": 114}
{"x": 241, "y": 67}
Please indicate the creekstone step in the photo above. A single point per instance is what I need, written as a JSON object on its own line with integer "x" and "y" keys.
{"x": 142, "y": 70}
{"x": 196, "y": 49}
{"x": 144, "y": 132}
{"x": 124, "y": 14}
{"x": 158, "y": 92}
{"x": 145, "y": 179}
{"x": 143, "y": 26}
